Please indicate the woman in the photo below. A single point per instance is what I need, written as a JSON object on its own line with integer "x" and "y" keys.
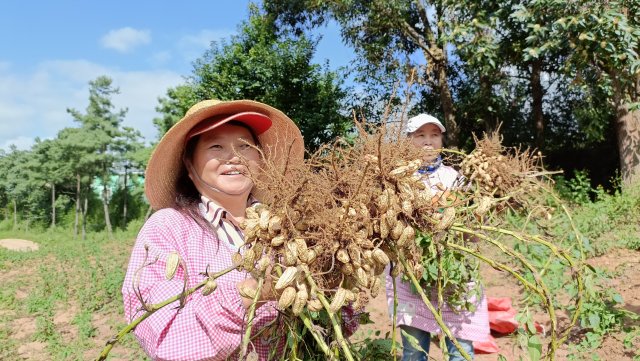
{"x": 413, "y": 316}
{"x": 197, "y": 180}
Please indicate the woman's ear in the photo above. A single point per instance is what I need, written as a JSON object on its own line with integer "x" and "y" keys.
{"x": 189, "y": 167}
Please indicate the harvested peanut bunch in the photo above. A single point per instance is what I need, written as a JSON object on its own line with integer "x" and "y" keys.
{"x": 333, "y": 224}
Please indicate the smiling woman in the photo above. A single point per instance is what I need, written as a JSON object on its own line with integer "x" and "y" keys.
{"x": 214, "y": 159}
{"x": 199, "y": 179}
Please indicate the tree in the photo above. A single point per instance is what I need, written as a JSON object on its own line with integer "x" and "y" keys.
{"x": 100, "y": 131}
{"x": 15, "y": 182}
{"x": 129, "y": 148}
{"x": 387, "y": 33}
{"x": 256, "y": 64}
{"x": 50, "y": 169}
{"x": 174, "y": 107}
{"x": 79, "y": 156}
{"x": 604, "y": 38}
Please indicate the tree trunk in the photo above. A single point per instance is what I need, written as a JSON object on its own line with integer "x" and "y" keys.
{"x": 124, "y": 207}
{"x": 486, "y": 93}
{"x": 53, "y": 205}
{"x": 453, "y": 131}
{"x": 537, "y": 93}
{"x": 84, "y": 219}
{"x": 15, "y": 214}
{"x": 441, "y": 63}
{"x": 627, "y": 128}
{"x": 75, "y": 225}
{"x": 105, "y": 207}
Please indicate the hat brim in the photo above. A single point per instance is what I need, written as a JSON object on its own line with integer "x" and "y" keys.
{"x": 415, "y": 127}
{"x": 259, "y": 123}
{"x": 281, "y": 143}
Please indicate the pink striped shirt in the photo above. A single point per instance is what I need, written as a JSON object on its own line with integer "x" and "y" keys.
{"x": 207, "y": 327}
{"x": 472, "y": 326}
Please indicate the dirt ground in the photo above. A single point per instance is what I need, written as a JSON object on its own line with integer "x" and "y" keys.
{"x": 498, "y": 284}
{"x": 626, "y": 282}
{"x": 18, "y": 244}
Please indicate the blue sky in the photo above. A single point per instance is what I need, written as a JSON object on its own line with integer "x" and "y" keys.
{"x": 50, "y": 50}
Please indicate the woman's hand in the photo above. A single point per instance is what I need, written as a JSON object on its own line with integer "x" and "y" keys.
{"x": 267, "y": 292}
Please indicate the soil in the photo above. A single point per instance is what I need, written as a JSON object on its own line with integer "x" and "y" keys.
{"x": 497, "y": 284}
{"x": 621, "y": 262}
{"x": 19, "y": 244}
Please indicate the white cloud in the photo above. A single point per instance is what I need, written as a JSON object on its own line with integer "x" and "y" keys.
{"x": 21, "y": 142}
{"x": 34, "y": 105}
{"x": 161, "y": 58}
{"x": 139, "y": 92}
{"x": 125, "y": 39}
{"x": 193, "y": 46}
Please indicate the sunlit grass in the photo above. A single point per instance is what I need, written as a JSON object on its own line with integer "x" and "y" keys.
{"x": 65, "y": 297}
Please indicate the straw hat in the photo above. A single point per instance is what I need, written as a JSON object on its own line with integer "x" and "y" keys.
{"x": 281, "y": 141}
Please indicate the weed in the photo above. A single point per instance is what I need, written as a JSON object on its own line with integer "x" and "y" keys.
{"x": 83, "y": 322}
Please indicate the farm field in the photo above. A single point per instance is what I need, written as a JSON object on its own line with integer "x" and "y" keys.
{"x": 62, "y": 301}
{"x": 622, "y": 262}
{"x": 451, "y": 143}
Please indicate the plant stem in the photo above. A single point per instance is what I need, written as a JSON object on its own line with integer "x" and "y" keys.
{"x": 323, "y": 345}
{"x": 546, "y": 297}
{"x": 577, "y": 270}
{"x": 497, "y": 265}
{"x": 427, "y": 303}
{"x": 336, "y": 327}
{"x": 152, "y": 309}
{"x": 395, "y": 316}
{"x": 252, "y": 311}
{"x": 447, "y": 150}
{"x": 309, "y": 325}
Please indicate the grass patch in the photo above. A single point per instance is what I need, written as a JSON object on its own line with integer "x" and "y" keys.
{"x": 65, "y": 271}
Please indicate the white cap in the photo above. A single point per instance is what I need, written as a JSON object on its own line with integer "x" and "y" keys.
{"x": 419, "y": 120}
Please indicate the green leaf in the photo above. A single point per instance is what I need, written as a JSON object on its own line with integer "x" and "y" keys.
{"x": 617, "y": 298}
{"x": 531, "y": 326}
{"x": 534, "y": 348}
{"x": 594, "y": 321}
{"x": 413, "y": 342}
{"x": 365, "y": 319}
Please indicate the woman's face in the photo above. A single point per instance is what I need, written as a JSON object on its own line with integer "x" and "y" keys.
{"x": 216, "y": 160}
{"x": 429, "y": 138}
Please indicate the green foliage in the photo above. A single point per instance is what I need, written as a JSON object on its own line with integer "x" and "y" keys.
{"x": 83, "y": 321}
{"x": 415, "y": 344}
{"x": 390, "y": 39}
{"x": 602, "y": 313}
{"x": 375, "y": 349}
{"x": 259, "y": 65}
{"x": 80, "y": 279}
{"x": 548, "y": 74}
{"x": 174, "y": 107}
{"x": 456, "y": 271}
{"x": 526, "y": 335}
{"x": 132, "y": 197}
{"x": 577, "y": 189}
{"x": 611, "y": 220}
{"x": 602, "y": 221}
{"x": 55, "y": 173}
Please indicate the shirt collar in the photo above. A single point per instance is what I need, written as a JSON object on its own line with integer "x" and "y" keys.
{"x": 216, "y": 212}
{"x": 431, "y": 167}
{"x": 223, "y": 225}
